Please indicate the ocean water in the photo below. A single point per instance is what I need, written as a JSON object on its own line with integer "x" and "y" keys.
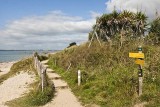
{"x": 14, "y": 55}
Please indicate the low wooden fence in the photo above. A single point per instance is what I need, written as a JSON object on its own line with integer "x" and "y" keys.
{"x": 41, "y": 72}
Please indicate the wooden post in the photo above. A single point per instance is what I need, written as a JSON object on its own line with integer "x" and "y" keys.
{"x": 140, "y": 75}
{"x": 42, "y": 80}
{"x": 69, "y": 66}
{"x": 39, "y": 68}
{"x": 45, "y": 78}
{"x": 91, "y": 41}
{"x": 41, "y": 72}
{"x": 79, "y": 77}
{"x": 97, "y": 38}
{"x": 36, "y": 62}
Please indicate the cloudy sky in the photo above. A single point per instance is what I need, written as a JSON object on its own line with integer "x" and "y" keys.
{"x": 53, "y": 24}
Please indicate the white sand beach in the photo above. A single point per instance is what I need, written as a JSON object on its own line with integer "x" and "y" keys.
{"x": 15, "y": 86}
{"x": 5, "y": 67}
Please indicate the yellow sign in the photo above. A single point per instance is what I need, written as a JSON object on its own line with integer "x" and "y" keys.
{"x": 136, "y": 55}
{"x": 139, "y": 61}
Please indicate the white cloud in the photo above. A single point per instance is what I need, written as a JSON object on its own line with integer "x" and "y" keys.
{"x": 147, "y": 6}
{"x": 95, "y": 14}
{"x": 52, "y": 31}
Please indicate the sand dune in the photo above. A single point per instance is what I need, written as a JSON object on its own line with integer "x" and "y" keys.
{"x": 15, "y": 86}
{"x": 5, "y": 67}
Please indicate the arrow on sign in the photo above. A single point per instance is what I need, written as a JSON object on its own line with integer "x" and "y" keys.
{"x": 139, "y": 61}
{"x": 136, "y": 55}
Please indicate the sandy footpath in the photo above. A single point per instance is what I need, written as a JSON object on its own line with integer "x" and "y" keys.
{"x": 15, "y": 86}
{"x": 63, "y": 96}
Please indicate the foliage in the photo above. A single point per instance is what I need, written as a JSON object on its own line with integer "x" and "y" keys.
{"x": 109, "y": 76}
{"x": 40, "y": 98}
{"x": 72, "y": 44}
{"x": 40, "y": 57}
{"x": 155, "y": 26}
{"x": 125, "y": 23}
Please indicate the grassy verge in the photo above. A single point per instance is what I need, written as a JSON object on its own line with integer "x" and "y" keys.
{"x": 109, "y": 76}
{"x": 35, "y": 97}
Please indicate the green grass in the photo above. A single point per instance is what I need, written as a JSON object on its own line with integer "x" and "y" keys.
{"x": 109, "y": 76}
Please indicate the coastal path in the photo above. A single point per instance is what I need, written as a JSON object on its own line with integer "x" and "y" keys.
{"x": 63, "y": 97}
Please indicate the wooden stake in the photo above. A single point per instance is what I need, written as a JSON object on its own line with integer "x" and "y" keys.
{"x": 42, "y": 79}
{"x": 140, "y": 75}
{"x": 79, "y": 77}
{"x": 69, "y": 66}
{"x": 91, "y": 41}
{"x": 92, "y": 38}
{"x": 140, "y": 80}
{"x": 97, "y": 37}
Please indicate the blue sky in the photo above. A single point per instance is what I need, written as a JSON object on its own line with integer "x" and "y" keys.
{"x": 53, "y": 24}
{"x": 16, "y": 9}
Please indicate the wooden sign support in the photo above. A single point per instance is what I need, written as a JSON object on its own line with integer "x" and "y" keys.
{"x": 140, "y": 61}
{"x": 140, "y": 75}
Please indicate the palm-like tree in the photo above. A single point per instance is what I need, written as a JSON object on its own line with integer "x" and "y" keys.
{"x": 111, "y": 24}
{"x": 125, "y": 23}
{"x": 155, "y": 27}
{"x": 141, "y": 23}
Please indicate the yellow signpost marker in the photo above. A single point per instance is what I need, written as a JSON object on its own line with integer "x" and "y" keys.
{"x": 139, "y": 61}
{"x": 136, "y": 55}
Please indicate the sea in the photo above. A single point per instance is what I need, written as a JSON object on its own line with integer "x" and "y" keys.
{"x": 14, "y": 55}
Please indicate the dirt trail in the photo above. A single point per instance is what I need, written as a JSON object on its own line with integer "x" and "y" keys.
{"x": 141, "y": 104}
{"x": 64, "y": 97}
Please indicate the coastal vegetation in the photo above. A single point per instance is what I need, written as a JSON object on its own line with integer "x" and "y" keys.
{"x": 24, "y": 65}
{"x": 35, "y": 97}
{"x": 121, "y": 25}
{"x": 109, "y": 76}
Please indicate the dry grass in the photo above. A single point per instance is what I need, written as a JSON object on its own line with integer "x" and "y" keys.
{"x": 109, "y": 76}
{"x": 25, "y": 65}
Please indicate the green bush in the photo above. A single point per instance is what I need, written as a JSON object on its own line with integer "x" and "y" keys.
{"x": 37, "y": 98}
